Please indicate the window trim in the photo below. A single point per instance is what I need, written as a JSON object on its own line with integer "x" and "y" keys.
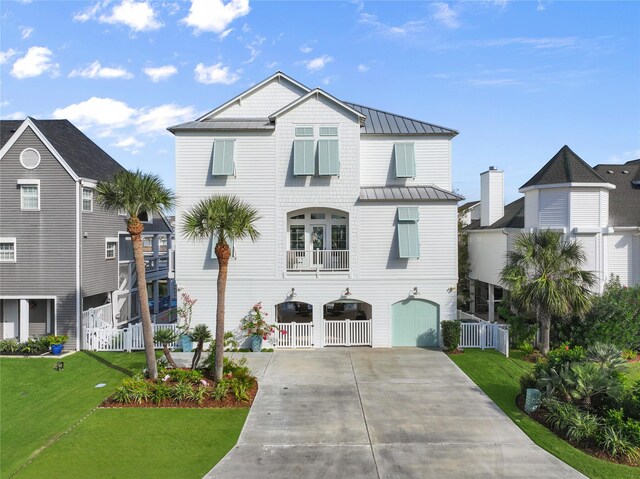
{"x": 300, "y": 133}
{"x": 325, "y": 128}
{"x": 28, "y": 182}
{"x": 15, "y": 250}
{"x": 84, "y": 188}
{"x": 106, "y": 248}
{"x": 37, "y": 164}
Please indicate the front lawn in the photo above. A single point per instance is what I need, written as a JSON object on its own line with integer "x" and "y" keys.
{"x": 39, "y": 404}
{"x": 142, "y": 442}
{"x": 498, "y": 377}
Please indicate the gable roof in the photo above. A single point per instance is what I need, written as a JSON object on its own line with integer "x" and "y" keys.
{"x": 468, "y": 205}
{"x": 624, "y": 201}
{"x": 255, "y": 87}
{"x": 83, "y": 156}
{"x": 565, "y": 167}
{"x": 513, "y": 218}
{"x": 380, "y": 122}
{"x": 317, "y": 92}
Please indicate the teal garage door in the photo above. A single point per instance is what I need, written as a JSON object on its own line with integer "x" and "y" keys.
{"x": 415, "y": 322}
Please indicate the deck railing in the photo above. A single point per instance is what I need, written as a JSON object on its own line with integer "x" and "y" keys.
{"x": 318, "y": 260}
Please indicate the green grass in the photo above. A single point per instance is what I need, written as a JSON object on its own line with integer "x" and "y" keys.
{"x": 39, "y": 404}
{"x": 498, "y": 377}
{"x": 113, "y": 443}
{"x": 634, "y": 372}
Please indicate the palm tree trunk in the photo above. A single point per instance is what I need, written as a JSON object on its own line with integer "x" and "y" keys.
{"x": 545, "y": 331}
{"x": 223, "y": 253}
{"x": 167, "y": 354}
{"x": 135, "y": 228}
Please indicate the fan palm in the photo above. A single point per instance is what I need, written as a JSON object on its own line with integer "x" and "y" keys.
{"x": 223, "y": 219}
{"x": 166, "y": 336}
{"x": 543, "y": 276}
{"x": 137, "y": 193}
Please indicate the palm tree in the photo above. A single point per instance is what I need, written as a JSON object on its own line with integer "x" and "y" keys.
{"x": 137, "y": 193}
{"x": 166, "y": 336}
{"x": 200, "y": 335}
{"x": 543, "y": 276}
{"x": 221, "y": 218}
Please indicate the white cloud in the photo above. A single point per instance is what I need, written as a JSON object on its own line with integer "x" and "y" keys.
{"x": 538, "y": 43}
{"x": 214, "y": 15}
{"x": 317, "y": 64}
{"x": 7, "y": 55}
{"x": 129, "y": 143}
{"x": 271, "y": 65}
{"x": 158, "y": 74}
{"x": 382, "y": 28}
{"x": 215, "y": 74}
{"x": 156, "y": 120}
{"x": 139, "y": 16}
{"x": 362, "y": 68}
{"x": 306, "y": 48}
{"x": 25, "y": 32}
{"x": 330, "y": 79}
{"x": 445, "y": 15}
{"x": 18, "y": 115}
{"x": 254, "y": 48}
{"x": 98, "y": 112}
{"x": 95, "y": 70}
{"x": 36, "y": 62}
{"x": 542, "y": 5}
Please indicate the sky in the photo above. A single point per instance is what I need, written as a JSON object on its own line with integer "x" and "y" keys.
{"x": 517, "y": 79}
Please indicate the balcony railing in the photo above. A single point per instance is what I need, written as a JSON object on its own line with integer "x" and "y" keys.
{"x": 318, "y": 260}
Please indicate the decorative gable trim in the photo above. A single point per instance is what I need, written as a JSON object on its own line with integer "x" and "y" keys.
{"x": 277, "y": 75}
{"x": 318, "y": 92}
{"x": 30, "y": 124}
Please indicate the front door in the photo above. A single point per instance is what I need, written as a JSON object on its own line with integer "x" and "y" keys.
{"x": 10, "y": 315}
{"x": 317, "y": 244}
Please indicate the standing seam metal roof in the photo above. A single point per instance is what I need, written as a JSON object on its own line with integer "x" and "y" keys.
{"x": 407, "y": 193}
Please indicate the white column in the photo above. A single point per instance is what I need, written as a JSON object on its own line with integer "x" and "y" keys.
{"x": 318, "y": 326}
{"x": 24, "y": 320}
{"x": 490, "y": 303}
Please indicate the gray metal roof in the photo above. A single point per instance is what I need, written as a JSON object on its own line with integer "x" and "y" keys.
{"x": 407, "y": 193}
{"x": 380, "y": 122}
{"x": 226, "y": 124}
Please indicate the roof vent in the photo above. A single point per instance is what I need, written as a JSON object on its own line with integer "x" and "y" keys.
{"x": 492, "y": 168}
{"x": 610, "y": 172}
{"x": 625, "y": 172}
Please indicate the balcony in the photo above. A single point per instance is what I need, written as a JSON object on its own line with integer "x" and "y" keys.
{"x": 318, "y": 260}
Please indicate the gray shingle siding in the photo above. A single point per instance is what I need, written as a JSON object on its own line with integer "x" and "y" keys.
{"x": 45, "y": 239}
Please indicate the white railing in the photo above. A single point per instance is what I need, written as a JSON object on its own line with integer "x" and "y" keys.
{"x": 347, "y": 333}
{"x": 502, "y": 341}
{"x": 113, "y": 339}
{"x": 485, "y": 335}
{"x": 318, "y": 260}
{"x": 294, "y": 335}
{"x": 100, "y": 317}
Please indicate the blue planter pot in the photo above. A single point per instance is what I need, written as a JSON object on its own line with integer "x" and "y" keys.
{"x": 256, "y": 343}
{"x": 186, "y": 343}
{"x": 56, "y": 349}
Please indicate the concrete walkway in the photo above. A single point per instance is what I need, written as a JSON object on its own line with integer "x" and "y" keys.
{"x": 378, "y": 413}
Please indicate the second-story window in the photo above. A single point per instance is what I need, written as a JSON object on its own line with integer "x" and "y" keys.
{"x": 30, "y": 196}
{"x": 111, "y": 248}
{"x": 87, "y": 199}
{"x": 7, "y": 250}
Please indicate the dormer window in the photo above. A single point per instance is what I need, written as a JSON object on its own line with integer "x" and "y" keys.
{"x": 223, "y": 164}
{"x": 405, "y": 160}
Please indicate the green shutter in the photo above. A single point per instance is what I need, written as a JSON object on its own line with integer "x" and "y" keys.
{"x": 328, "y": 157}
{"x": 405, "y": 160}
{"x": 303, "y": 158}
{"x": 223, "y": 158}
{"x": 408, "y": 213}
{"x": 408, "y": 236}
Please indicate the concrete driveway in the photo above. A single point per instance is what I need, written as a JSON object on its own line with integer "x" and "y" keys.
{"x": 378, "y": 413}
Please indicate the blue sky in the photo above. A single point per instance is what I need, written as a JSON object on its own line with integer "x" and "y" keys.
{"x": 517, "y": 79}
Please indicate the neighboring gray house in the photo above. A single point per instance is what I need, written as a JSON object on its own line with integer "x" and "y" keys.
{"x": 60, "y": 253}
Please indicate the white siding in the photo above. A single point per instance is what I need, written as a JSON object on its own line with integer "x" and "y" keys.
{"x": 586, "y": 208}
{"x": 554, "y": 206}
{"x": 531, "y": 199}
{"x": 263, "y": 102}
{"x": 433, "y": 161}
{"x": 591, "y": 247}
{"x": 487, "y": 254}
{"x": 621, "y": 258}
{"x": 491, "y": 197}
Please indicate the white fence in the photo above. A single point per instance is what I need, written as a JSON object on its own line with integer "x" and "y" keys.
{"x": 113, "y": 339}
{"x": 482, "y": 334}
{"x": 100, "y": 317}
{"x": 294, "y": 335}
{"x": 347, "y": 333}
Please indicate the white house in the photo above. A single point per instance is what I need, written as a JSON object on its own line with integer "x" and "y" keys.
{"x": 358, "y": 221}
{"x": 599, "y": 207}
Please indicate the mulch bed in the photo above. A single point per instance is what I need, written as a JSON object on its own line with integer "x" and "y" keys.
{"x": 541, "y": 417}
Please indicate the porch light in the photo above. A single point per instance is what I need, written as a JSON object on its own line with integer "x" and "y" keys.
{"x": 292, "y": 293}
{"x": 347, "y": 292}
{"x": 414, "y": 292}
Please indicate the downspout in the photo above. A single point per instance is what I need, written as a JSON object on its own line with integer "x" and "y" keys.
{"x": 78, "y": 265}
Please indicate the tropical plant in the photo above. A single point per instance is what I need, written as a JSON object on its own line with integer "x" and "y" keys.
{"x": 9, "y": 346}
{"x": 556, "y": 382}
{"x": 166, "y": 336}
{"x": 200, "y": 334}
{"x": 255, "y": 323}
{"x": 221, "y": 389}
{"x": 543, "y": 276}
{"x": 607, "y": 356}
{"x": 617, "y": 444}
{"x": 137, "y": 193}
{"x": 583, "y": 426}
{"x": 451, "y": 334}
{"x": 589, "y": 380}
{"x": 55, "y": 339}
{"x": 559, "y": 414}
{"x": 181, "y": 391}
{"x": 223, "y": 219}
{"x": 185, "y": 312}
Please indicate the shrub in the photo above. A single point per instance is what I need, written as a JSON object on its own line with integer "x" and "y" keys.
{"x": 160, "y": 392}
{"x": 451, "y": 334}
{"x": 181, "y": 391}
{"x": 629, "y": 354}
{"x": 590, "y": 381}
{"x": 198, "y": 394}
{"x": 526, "y": 348}
{"x": 185, "y": 375}
{"x": 135, "y": 390}
{"x": 34, "y": 346}
{"x": 527, "y": 381}
{"x": 583, "y": 426}
{"x": 559, "y": 414}
{"x": 9, "y": 346}
{"x": 522, "y": 331}
{"x": 616, "y": 443}
{"x": 240, "y": 388}
{"x": 606, "y": 356}
{"x": 221, "y": 390}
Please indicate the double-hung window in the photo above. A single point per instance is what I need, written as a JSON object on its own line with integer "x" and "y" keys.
{"x": 29, "y": 194}
{"x": 111, "y": 248}
{"x": 87, "y": 199}
{"x": 408, "y": 236}
{"x": 223, "y": 164}
{"x": 7, "y": 250}
{"x": 404, "y": 154}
